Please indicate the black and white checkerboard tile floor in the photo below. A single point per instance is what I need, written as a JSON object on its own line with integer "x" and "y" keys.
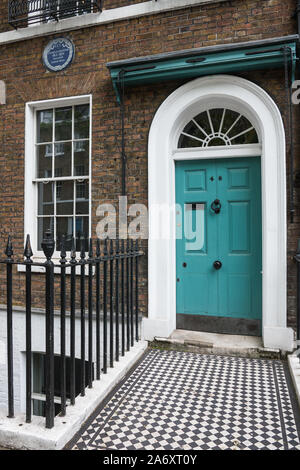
{"x": 181, "y": 401}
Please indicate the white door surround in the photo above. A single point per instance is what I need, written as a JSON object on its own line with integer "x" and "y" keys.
{"x": 175, "y": 112}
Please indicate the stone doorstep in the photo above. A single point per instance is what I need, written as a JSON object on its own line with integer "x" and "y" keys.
{"x": 16, "y": 434}
{"x": 226, "y": 350}
{"x": 294, "y": 366}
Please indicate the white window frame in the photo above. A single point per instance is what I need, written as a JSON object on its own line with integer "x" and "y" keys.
{"x": 31, "y": 187}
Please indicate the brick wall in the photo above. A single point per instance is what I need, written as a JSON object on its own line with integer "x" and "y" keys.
{"x": 27, "y": 80}
{"x": 4, "y": 26}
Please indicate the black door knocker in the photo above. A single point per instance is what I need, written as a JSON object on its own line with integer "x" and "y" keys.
{"x": 216, "y": 206}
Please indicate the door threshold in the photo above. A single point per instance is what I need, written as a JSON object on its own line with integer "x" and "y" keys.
{"x": 219, "y": 344}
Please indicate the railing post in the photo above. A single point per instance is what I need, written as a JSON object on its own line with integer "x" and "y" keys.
{"x": 90, "y": 263}
{"x": 63, "y": 327}
{"x": 122, "y": 298}
{"x": 117, "y": 298}
{"x": 28, "y": 254}
{"x": 131, "y": 254}
{"x": 136, "y": 290}
{"x": 72, "y": 322}
{"x": 97, "y": 262}
{"x": 82, "y": 315}
{"x": 105, "y": 306}
{"x": 10, "y": 368}
{"x": 48, "y": 249}
{"x": 128, "y": 295}
{"x": 297, "y": 258}
{"x": 111, "y": 304}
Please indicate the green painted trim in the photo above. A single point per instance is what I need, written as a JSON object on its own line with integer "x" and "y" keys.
{"x": 192, "y": 66}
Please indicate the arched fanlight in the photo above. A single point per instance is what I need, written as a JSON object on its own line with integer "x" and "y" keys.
{"x": 218, "y": 127}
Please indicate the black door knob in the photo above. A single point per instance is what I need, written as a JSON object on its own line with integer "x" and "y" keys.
{"x": 217, "y": 265}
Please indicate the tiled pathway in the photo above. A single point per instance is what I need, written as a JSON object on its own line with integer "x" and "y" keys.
{"x": 181, "y": 401}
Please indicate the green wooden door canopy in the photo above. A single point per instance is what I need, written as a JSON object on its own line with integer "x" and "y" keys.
{"x": 187, "y": 64}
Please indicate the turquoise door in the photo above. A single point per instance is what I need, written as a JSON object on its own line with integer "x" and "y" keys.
{"x": 219, "y": 245}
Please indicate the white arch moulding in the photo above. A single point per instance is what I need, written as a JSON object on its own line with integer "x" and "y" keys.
{"x": 175, "y": 112}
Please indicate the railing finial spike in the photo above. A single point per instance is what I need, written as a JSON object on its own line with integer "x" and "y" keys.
{"x": 90, "y": 248}
{"x": 98, "y": 249}
{"x": 73, "y": 249}
{"x": 28, "y": 253}
{"x": 111, "y": 246}
{"x": 63, "y": 252}
{"x": 9, "y": 248}
{"x": 82, "y": 247}
{"x": 48, "y": 244}
{"x": 105, "y": 247}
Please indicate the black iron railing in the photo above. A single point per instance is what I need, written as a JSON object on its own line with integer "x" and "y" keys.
{"x": 111, "y": 297}
{"x": 26, "y": 12}
{"x": 297, "y": 259}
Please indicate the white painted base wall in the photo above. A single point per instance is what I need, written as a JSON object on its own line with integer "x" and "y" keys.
{"x": 17, "y": 434}
{"x": 38, "y": 345}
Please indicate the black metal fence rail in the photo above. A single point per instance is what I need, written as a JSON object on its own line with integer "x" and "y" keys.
{"x": 25, "y": 12}
{"x": 297, "y": 259}
{"x": 113, "y": 285}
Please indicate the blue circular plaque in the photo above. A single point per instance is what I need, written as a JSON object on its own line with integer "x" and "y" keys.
{"x": 58, "y": 54}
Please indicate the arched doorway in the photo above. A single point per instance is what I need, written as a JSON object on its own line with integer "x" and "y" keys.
{"x": 219, "y": 226}
{"x": 179, "y": 109}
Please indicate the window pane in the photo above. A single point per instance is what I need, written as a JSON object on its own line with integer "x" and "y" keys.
{"x": 44, "y": 224}
{"x": 63, "y": 159}
{"x": 216, "y": 127}
{"x": 187, "y": 142}
{"x": 64, "y": 227}
{"x": 216, "y": 116}
{"x": 82, "y": 231}
{"x": 248, "y": 138}
{"x": 45, "y": 199}
{"x": 64, "y": 197}
{"x": 82, "y": 122}
{"x": 63, "y": 124}
{"x": 44, "y": 161}
{"x": 44, "y": 125}
{"x": 81, "y": 158}
{"x": 229, "y": 119}
{"x": 203, "y": 121}
{"x": 82, "y": 197}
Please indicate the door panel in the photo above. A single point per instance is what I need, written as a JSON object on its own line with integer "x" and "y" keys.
{"x": 239, "y": 226}
{"x": 195, "y": 185}
{"x": 240, "y": 232}
{"x": 231, "y": 236}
